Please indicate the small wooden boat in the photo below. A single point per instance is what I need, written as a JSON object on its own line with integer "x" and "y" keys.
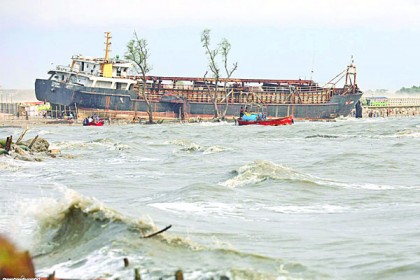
{"x": 270, "y": 122}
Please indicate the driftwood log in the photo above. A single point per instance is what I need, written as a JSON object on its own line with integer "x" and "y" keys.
{"x": 158, "y": 232}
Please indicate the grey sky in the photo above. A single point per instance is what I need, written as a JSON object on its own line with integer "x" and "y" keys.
{"x": 270, "y": 39}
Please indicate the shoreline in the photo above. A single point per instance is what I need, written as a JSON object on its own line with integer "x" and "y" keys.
{"x": 13, "y": 121}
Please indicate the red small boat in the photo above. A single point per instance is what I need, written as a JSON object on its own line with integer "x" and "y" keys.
{"x": 100, "y": 122}
{"x": 271, "y": 122}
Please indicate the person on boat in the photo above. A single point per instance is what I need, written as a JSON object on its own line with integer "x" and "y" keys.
{"x": 246, "y": 109}
{"x": 95, "y": 118}
{"x": 241, "y": 112}
{"x": 90, "y": 119}
{"x": 85, "y": 121}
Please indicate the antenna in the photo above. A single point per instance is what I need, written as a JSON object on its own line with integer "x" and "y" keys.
{"x": 313, "y": 65}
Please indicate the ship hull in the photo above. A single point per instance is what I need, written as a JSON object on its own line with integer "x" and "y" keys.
{"x": 75, "y": 96}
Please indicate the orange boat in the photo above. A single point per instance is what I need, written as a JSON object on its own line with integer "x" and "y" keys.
{"x": 271, "y": 122}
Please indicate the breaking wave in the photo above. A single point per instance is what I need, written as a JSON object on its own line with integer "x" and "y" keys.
{"x": 187, "y": 145}
{"x": 261, "y": 170}
{"x": 77, "y": 231}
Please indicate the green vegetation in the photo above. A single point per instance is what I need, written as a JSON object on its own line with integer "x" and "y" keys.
{"x": 375, "y": 102}
{"x": 413, "y": 89}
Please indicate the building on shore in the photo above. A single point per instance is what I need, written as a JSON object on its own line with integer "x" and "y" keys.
{"x": 16, "y": 103}
{"x": 390, "y": 106}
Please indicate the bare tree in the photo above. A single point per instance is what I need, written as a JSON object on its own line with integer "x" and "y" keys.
{"x": 212, "y": 54}
{"x": 225, "y": 48}
{"x": 138, "y": 53}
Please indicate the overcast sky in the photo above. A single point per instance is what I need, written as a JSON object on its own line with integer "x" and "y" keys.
{"x": 278, "y": 39}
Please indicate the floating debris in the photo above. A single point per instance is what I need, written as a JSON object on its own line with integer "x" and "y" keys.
{"x": 26, "y": 150}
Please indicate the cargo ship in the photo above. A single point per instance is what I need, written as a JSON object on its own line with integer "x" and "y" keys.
{"x": 109, "y": 86}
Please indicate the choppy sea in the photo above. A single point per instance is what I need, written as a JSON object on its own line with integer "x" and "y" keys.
{"x": 314, "y": 200}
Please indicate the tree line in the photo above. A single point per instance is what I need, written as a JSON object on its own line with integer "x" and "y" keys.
{"x": 413, "y": 89}
{"x": 139, "y": 54}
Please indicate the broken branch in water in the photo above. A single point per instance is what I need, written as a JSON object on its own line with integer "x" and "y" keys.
{"x": 158, "y": 232}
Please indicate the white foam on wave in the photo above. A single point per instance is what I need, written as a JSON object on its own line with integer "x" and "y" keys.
{"x": 190, "y": 146}
{"x": 366, "y": 186}
{"x": 214, "y": 150}
{"x": 9, "y": 164}
{"x": 405, "y": 133}
{"x": 70, "y": 144}
{"x": 408, "y": 133}
{"x": 45, "y": 132}
{"x": 109, "y": 144}
{"x": 310, "y": 209}
{"x": 104, "y": 261}
{"x": 187, "y": 145}
{"x": 222, "y": 123}
{"x": 198, "y": 208}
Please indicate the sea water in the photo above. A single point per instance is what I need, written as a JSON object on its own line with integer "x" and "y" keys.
{"x": 314, "y": 200}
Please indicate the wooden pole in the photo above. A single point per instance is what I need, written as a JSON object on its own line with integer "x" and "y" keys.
{"x": 179, "y": 275}
{"x": 51, "y": 276}
{"x": 75, "y": 109}
{"x": 137, "y": 274}
{"x": 8, "y": 143}
{"x": 21, "y": 136}
{"x": 33, "y": 142}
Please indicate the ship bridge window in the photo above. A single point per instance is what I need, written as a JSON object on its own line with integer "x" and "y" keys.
{"x": 62, "y": 77}
{"x": 121, "y": 85}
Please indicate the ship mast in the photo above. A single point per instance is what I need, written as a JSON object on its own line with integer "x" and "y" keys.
{"x": 351, "y": 72}
{"x": 106, "y": 66}
{"x": 107, "y": 45}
